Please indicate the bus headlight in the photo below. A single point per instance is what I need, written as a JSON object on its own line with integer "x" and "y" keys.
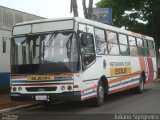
{"x": 14, "y": 89}
{"x": 69, "y": 88}
{"x": 20, "y": 89}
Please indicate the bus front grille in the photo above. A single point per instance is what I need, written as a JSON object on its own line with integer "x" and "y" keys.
{"x": 41, "y": 89}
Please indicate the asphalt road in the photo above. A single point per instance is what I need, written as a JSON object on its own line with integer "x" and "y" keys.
{"x": 121, "y": 103}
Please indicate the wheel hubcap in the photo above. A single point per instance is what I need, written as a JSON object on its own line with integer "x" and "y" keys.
{"x": 101, "y": 94}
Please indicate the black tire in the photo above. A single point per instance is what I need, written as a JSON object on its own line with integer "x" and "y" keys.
{"x": 140, "y": 88}
{"x": 99, "y": 100}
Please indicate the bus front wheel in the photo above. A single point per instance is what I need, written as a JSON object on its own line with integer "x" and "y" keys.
{"x": 99, "y": 100}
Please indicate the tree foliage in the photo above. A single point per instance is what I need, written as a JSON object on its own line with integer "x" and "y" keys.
{"x": 145, "y": 10}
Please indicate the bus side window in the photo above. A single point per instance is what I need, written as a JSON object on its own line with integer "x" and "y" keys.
{"x": 101, "y": 44}
{"x": 124, "y": 48}
{"x": 132, "y": 44}
{"x": 113, "y": 47}
{"x": 146, "y": 48}
{"x": 151, "y": 48}
{"x": 140, "y": 46}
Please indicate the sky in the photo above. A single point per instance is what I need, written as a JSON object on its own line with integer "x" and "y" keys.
{"x": 45, "y": 8}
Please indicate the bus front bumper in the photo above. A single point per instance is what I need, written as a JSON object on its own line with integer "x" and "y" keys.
{"x": 51, "y": 97}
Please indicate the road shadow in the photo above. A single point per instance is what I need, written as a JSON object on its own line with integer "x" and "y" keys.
{"x": 81, "y": 107}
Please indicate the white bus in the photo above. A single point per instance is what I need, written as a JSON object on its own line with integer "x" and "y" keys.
{"x": 73, "y": 59}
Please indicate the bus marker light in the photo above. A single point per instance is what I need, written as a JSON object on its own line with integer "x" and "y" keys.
{"x": 75, "y": 86}
{"x": 62, "y": 88}
{"x": 20, "y": 89}
{"x": 69, "y": 87}
{"x": 14, "y": 89}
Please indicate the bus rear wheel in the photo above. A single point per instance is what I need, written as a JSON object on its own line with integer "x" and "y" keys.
{"x": 140, "y": 87}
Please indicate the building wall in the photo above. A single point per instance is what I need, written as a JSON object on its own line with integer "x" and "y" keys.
{"x": 158, "y": 62}
{"x": 9, "y": 17}
{"x": 5, "y": 57}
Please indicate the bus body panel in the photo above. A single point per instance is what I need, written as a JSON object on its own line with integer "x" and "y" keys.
{"x": 121, "y": 72}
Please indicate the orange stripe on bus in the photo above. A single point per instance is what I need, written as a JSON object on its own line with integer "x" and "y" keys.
{"x": 63, "y": 75}
{"x": 18, "y": 77}
{"x": 124, "y": 77}
{"x": 90, "y": 88}
{"x": 142, "y": 64}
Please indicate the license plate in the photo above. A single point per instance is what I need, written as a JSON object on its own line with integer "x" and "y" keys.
{"x": 41, "y": 97}
{"x": 40, "y": 78}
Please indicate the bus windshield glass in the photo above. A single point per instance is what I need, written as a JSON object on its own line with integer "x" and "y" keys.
{"x": 46, "y": 53}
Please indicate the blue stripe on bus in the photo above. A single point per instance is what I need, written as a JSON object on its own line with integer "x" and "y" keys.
{"x": 116, "y": 85}
{"x": 126, "y": 82}
{"x": 25, "y": 81}
{"x": 135, "y": 79}
{"x": 132, "y": 80}
{"x": 88, "y": 93}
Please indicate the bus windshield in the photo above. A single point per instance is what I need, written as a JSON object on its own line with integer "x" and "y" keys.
{"x": 46, "y": 53}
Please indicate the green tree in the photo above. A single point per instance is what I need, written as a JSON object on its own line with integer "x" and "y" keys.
{"x": 145, "y": 10}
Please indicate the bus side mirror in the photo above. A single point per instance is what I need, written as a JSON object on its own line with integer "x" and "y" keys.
{"x": 84, "y": 40}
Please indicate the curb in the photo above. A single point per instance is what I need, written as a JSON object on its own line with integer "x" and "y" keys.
{"x": 18, "y": 107}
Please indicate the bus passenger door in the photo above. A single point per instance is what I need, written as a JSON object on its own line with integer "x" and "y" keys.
{"x": 87, "y": 50}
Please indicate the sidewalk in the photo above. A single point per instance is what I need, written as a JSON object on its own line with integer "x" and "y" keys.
{"x": 5, "y": 102}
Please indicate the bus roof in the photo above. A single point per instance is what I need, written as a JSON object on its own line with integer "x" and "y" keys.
{"x": 89, "y": 22}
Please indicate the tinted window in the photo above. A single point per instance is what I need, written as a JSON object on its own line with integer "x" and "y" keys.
{"x": 145, "y": 44}
{"x": 140, "y": 46}
{"x": 141, "y": 51}
{"x": 150, "y": 44}
{"x": 146, "y": 50}
{"x": 151, "y": 48}
{"x": 139, "y": 42}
